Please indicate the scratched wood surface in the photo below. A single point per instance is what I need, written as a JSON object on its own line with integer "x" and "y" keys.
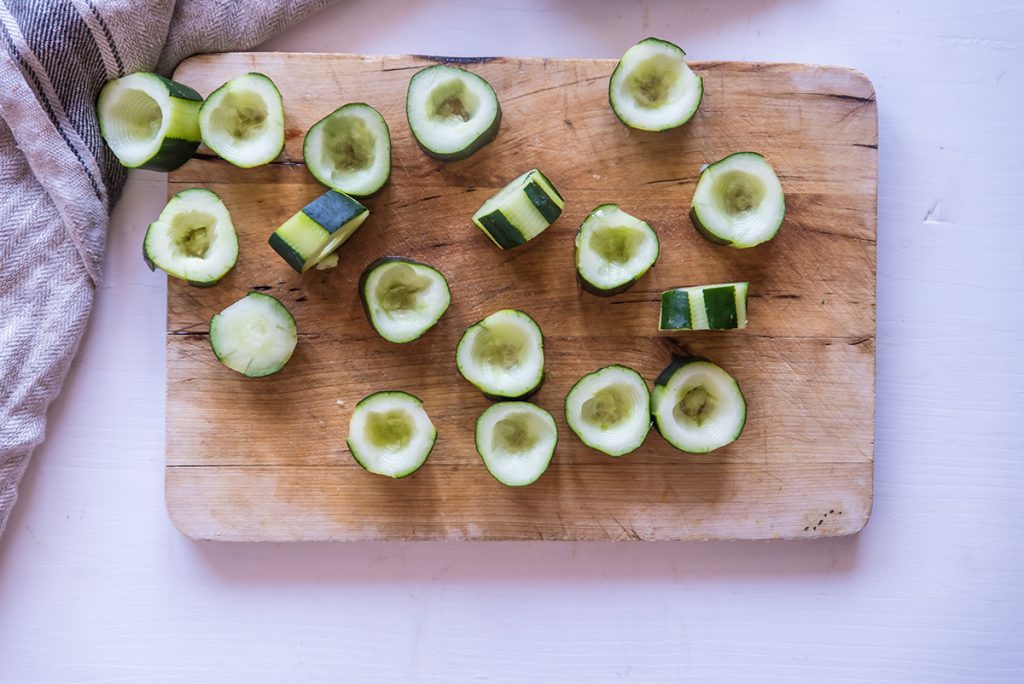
{"x": 266, "y": 459}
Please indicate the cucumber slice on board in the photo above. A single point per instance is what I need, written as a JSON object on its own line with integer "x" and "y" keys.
{"x": 148, "y": 121}
{"x": 738, "y": 201}
{"x": 652, "y": 87}
{"x": 403, "y": 298}
{"x": 704, "y": 307}
{"x": 349, "y": 150}
{"x": 255, "y": 336}
{"x": 613, "y": 250}
{"x": 193, "y": 238}
{"x": 452, "y": 112}
{"x": 318, "y": 229}
{"x": 503, "y": 355}
{"x": 243, "y": 121}
{"x": 390, "y": 434}
{"x": 516, "y": 441}
{"x": 610, "y": 410}
{"x": 697, "y": 406}
{"x": 520, "y": 211}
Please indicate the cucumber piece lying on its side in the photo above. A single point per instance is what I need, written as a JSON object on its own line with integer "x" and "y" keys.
{"x": 704, "y": 307}
{"x": 610, "y": 410}
{"x": 697, "y": 406}
{"x": 255, "y": 336}
{"x": 148, "y": 121}
{"x": 516, "y": 441}
{"x": 318, "y": 229}
{"x": 452, "y": 112}
{"x": 403, "y": 298}
{"x": 652, "y": 87}
{"x": 520, "y": 211}
{"x": 738, "y": 201}
{"x": 613, "y": 250}
{"x": 349, "y": 150}
{"x": 243, "y": 121}
{"x": 390, "y": 434}
{"x": 503, "y": 355}
{"x": 193, "y": 238}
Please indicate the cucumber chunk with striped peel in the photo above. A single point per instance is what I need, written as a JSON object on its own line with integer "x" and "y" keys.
{"x": 391, "y": 434}
{"x": 452, "y": 112}
{"x": 193, "y": 239}
{"x": 255, "y": 336}
{"x": 349, "y": 150}
{"x": 610, "y": 410}
{"x": 503, "y": 355}
{"x": 738, "y": 201}
{"x": 613, "y": 250}
{"x": 516, "y": 441}
{"x": 697, "y": 406}
{"x": 520, "y": 211}
{"x": 704, "y": 307}
{"x": 653, "y": 88}
{"x": 148, "y": 121}
{"x": 243, "y": 121}
{"x": 318, "y": 229}
{"x": 403, "y": 298}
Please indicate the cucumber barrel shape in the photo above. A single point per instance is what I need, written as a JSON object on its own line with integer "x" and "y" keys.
{"x": 520, "y": 211}
{"x": 704, "y": 307}
{"x": 318, "y": 229}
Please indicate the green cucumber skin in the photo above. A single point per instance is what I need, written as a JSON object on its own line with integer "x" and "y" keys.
{"x": 704, "y": 232}
{"x": 180, "y": 90}
{"x": 542, "y": 201}
{"x": 364, "y": 299}
{"x": 326, "y": 207}
{"x": 521, "y": 397}
{"x": 173, "y": 153}
{"x": 285, "y": 251}
{"x": 486, "y": 137}
{"x": 716, "y": 305}
{"x": 675, "y": 364}
{"x": 501, "y": 230}
{"x": 679, "y": 301}
{"x": 594, "y": 290}
{"x": 551, "y": 185}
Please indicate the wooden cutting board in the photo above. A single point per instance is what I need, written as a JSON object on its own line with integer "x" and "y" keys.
{"x": 266, "y": 459}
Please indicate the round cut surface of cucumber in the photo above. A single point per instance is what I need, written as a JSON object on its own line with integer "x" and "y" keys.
{"x": 652, "y": 87}
{"x": 403, "y": 298}
{"x": 738, "y": 201}
{"x": 193, "y": 238}
{"x": 613, "y": 250}
{"x": 452, "y": 112}
{"x": 391, "y": 434}
{"x": 350, "y": 150}
{"x": 243, "y": 121}
{"x": 610, "y": 410}
{"x": 697, "y": 406}
{"x": 255, "y": 336}
{"x": 503, "y": 355}
{"x": 516, "y": 441}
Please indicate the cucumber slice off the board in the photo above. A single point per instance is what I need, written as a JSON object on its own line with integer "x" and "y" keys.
{"x": 520, "y": 211}
{"x": 613, "y": 250}
{"x": 349, "y": 150}
{"x": 193, "y": 238}
{"x": 704, "y": 307}
{"x": 243, "y": 121}
{"x": 610, "y": 410}
{"x": 697, "y": 406}
{"x": 516, "y": 441}
{"x": 503, "y": 355}
{"x": 148, "y": 121}
{"x": 403, "y": 298}
{"x": 318, "y": 229}
{"x": 255, "y": 336}
{"x": 390, "y": 434}
{"x": 653, "y": 88}
{"x": 452, "y": 112}
{"x": 738, "y": 201}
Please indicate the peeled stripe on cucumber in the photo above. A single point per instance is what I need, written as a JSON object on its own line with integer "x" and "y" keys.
{"x": 653, "y": 88}
{"x": 193, "y": 238}
{"x": 704, "y": 307}
{"x": 243, "y": 121}
{"x": 610, "y": 410}
{"x": 516, "y": 441}
{"x": 255, "y": 336}
{"x": 520, "y": 211}
{"x": 697, "y": 406}
{"x": 613, "y": 250}
{"x": 738, "y": 201}
{"x": 503, "y": 355}
{"x": 391, "y": 434}
{"x": 452, "y": 112}
{"x": 349, "y": 150}
{"x": 403, "y": 298}
{"x": 312, "y": 235}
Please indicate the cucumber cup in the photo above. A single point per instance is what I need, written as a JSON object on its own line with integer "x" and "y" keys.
{"x": 652, "y": 87}
{"x": 243, "y": 121}
{"x": 697, "y": 406}
{"x": 738, "y": 201}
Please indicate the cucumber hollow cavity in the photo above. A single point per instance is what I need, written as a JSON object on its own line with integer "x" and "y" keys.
{"x": 516, "y": 441}
{"x": 613, "y": 250}
{"x": 610, "y": 410}
{"x": 255, "y": 336}
{"x": 312, "y": 235}
{"x": 452, "y": 112}
{"x": 349, "y": 150}
{"x": 243, "y": 121}
{"x": 503, "y": 355}
{"x": 697, "y": 406}
{"x": 390, "y": 434}
{"x": 520, "y": 211}
{"x": 403, "y": 298}
{"x": 738, "y": 201}
{"x": 193, "y": 238}
{"x": 652, "y": 87}
{"x": 149, "y": 122}
{"x": 704, "y": 307}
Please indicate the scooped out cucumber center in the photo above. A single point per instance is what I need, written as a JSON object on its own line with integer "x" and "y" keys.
{"x": 739, "y": 192}
{"x": 500, "y": 347}
{"x": 652, "y": 82}
{"x": 400, "y": 289}
{"x": 242, "y": 115}
{"x": 608, "y": 407}
{"x": 695, "y": 406}
{"x": 349, "y": 144}
{"x": 192, "y": 233}
{"x": 452, "y": 102}
{"x": 390, "y": 430}
{"x": 517, "y": 433}
{"x": 616, "y": 244}
{"x": 137, "y": 117}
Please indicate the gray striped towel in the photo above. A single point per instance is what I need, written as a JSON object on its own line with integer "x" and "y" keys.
{"x": 58, "y": 181}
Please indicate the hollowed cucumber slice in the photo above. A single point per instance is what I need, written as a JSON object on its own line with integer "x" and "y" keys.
{"x": 520, "y": 211}
{"x": 610, "y": 410}
{"x": 652, "y": 87}
{"x": 452, "y": 112}
{"x": 148, "y": 121}
{"x": 516, "y": 441}
{"x": 349, "y": 150}
{"x": 403, "y": 298}
{"x": 193, "y": 238}
{"x": 318, "y": 229}
{"x": 738, "y": 201}
{"x": 704, "y": 307}
{"x": 390, "y": 434}
{"x": 243, "y": 121}
{"x": 255, "y": 336}
{"x": 697, "y": 406}
{"x": 613, "y": 250}
{"x": 503, "y": 355}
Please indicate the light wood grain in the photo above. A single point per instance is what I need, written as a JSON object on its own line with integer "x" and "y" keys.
{"x": 266, "y": 459}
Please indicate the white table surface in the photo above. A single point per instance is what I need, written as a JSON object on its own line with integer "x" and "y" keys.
{"x": 96, "y": 585}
